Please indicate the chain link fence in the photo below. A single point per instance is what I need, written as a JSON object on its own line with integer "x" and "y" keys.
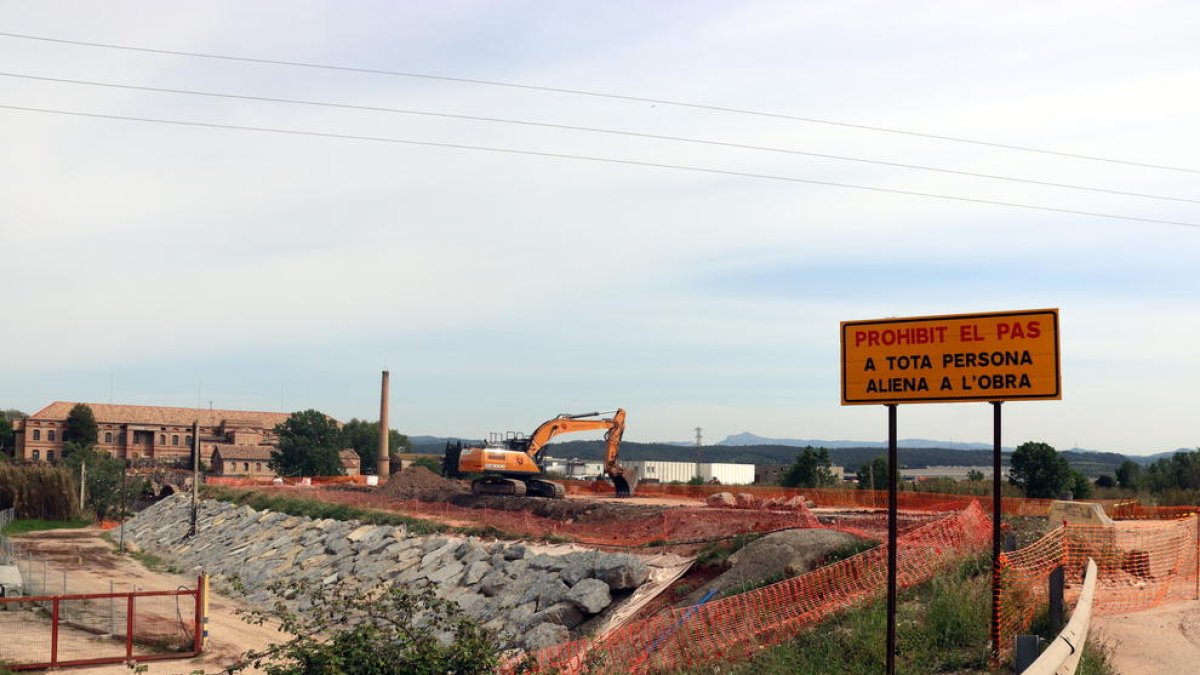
{"x": 51, "y": 616}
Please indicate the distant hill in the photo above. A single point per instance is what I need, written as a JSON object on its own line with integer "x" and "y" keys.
{"x": 747, "y": 438}
{"x": 1150, "y": 459}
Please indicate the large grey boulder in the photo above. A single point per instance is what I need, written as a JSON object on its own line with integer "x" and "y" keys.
{"x": 545, "y": 635}
{"x": 562, "y": 613}
{"x": 445, "y": 573}
{"x": 546, "y": 590}
{"x": 590, "y": 595}
{"x": 622, "y": 571}
{"x": 475, "y": 572}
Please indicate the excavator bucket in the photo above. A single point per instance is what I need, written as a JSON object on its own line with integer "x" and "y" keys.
{"x": 625, "y": 480}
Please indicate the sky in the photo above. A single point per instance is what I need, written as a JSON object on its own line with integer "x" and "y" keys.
{"x": 162, "y": 264}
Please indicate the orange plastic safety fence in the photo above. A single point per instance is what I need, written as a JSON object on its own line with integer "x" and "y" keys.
{"x": 840, "y": 497}
{"x": 1141, "y": 564}
{"x": 1133, "y": 510}
{"x": 733, "y": 628}
{"x": 624, "y": 528}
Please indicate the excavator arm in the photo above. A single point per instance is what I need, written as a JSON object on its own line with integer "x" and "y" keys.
{"x": 624, "y": 479}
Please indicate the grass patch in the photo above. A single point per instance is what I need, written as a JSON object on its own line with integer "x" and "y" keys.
{"x": 848, "y": 551}
{"x": 155, "y": 563}
{"x": 718, "y": 552}
{"x": 317, "y": 509}
{"x": 941, "y": 627}
{"x": 25, "y": 526}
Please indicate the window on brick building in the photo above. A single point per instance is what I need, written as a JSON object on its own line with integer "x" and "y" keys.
{"x": 49, "y": 455}
{"x": 37, "y": 436}
{"x": 258, "y": 466}
{"x": 187, "y": 440}
{"x": 37, "y": 454}
{"x": 245, "y": 466}
{"x": 174, "y": 439}
{"x": 162, "y": 439}
{"x": 50, "y": 435}
{"x": 108, "y": 437}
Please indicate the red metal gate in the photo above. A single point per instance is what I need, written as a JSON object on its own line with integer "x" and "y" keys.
{"x": 57, "y": 631}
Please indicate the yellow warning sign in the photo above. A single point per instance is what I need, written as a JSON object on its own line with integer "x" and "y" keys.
{"x": 995, "y": 356}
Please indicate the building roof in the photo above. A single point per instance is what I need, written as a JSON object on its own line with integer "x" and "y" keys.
{"x": 107, "y": 413}
{"x": 257, "y": 453}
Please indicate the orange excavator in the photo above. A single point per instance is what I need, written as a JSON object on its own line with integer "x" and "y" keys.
{"x": 514, "y": 465}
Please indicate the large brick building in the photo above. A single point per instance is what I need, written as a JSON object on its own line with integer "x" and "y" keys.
{"x": 136, "y": 432}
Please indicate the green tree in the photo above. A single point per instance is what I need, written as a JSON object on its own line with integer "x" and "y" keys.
{"x": 1080, "y": 486}
{"x": 107, "y": 491}
{"x": 1129, "y": 474}
{"x": 810, "y": 469}
{"x": 1105, "y": 481}
{"x": 431, "y": 463}
{"x": 81, "y": 426}
{"x": 873, "y": 475}
{"x": 975, "y": 475}
{"x": 1179, "y": 471}
{"x": 343, "y": 630}
{"x": 8, "y": 439}
{"x": 1039, "y": 470}
{"x": 363, "y": 436}
{"x": 308, "y": 446}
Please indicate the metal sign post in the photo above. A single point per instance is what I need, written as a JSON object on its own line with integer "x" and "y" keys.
{"x": 893, "y": 480}
{"x": 997, "y": 511}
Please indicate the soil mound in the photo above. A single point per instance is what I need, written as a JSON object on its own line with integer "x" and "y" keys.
{"x": 565, "y": 510}
{"x": 417, "y": 482}
{"x": 780, "y": 555}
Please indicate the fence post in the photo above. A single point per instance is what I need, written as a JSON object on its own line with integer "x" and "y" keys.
{"x": 200, "y": 628}
{"x": 1057, "y": 588}
{"x": 112, "y": 610}
{"x": 129, "y": 628}
{"x": 1026, "y": 652}
{"x": 54, "y": 632}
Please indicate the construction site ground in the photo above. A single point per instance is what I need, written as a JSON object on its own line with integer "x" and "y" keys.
{"x": 643, "y": 524}
{"x": 1162, "y": 639}
{"x": 91, "y": 563}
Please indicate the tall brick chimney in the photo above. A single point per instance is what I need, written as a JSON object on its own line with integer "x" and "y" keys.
{"x": 383, "y": 463}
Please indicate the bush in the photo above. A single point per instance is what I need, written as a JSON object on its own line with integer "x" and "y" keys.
{"x": 386, "y": 631}
{"x": 39, "y": 491}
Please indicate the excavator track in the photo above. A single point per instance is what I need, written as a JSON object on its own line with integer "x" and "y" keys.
{"x": 545, "y": 488}
{"x": 494, "y": 485}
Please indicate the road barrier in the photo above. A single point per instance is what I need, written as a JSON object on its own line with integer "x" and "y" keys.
{"x": 52, "y": 631}
{"x": 1063, "y": 654}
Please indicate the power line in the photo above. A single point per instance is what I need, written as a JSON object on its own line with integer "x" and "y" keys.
{"x": 609, "y": 160}
{"x": 606, "y": 95}
{"x": 599, "y": 130}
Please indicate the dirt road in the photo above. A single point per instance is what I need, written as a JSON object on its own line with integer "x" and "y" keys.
{"x": 91, "y": 565}
{"x": 1161, "y": 640}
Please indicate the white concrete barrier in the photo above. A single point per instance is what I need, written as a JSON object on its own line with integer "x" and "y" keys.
{"x": 1062, "y": 656}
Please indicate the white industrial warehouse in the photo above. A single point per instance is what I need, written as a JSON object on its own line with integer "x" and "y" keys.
{"x": 663, "y": 472}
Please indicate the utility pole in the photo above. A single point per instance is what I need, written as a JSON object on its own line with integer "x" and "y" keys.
{"x": 82, "y": 481}
{"x": 195, "y": 476}
{"x": 699, "y": 450}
